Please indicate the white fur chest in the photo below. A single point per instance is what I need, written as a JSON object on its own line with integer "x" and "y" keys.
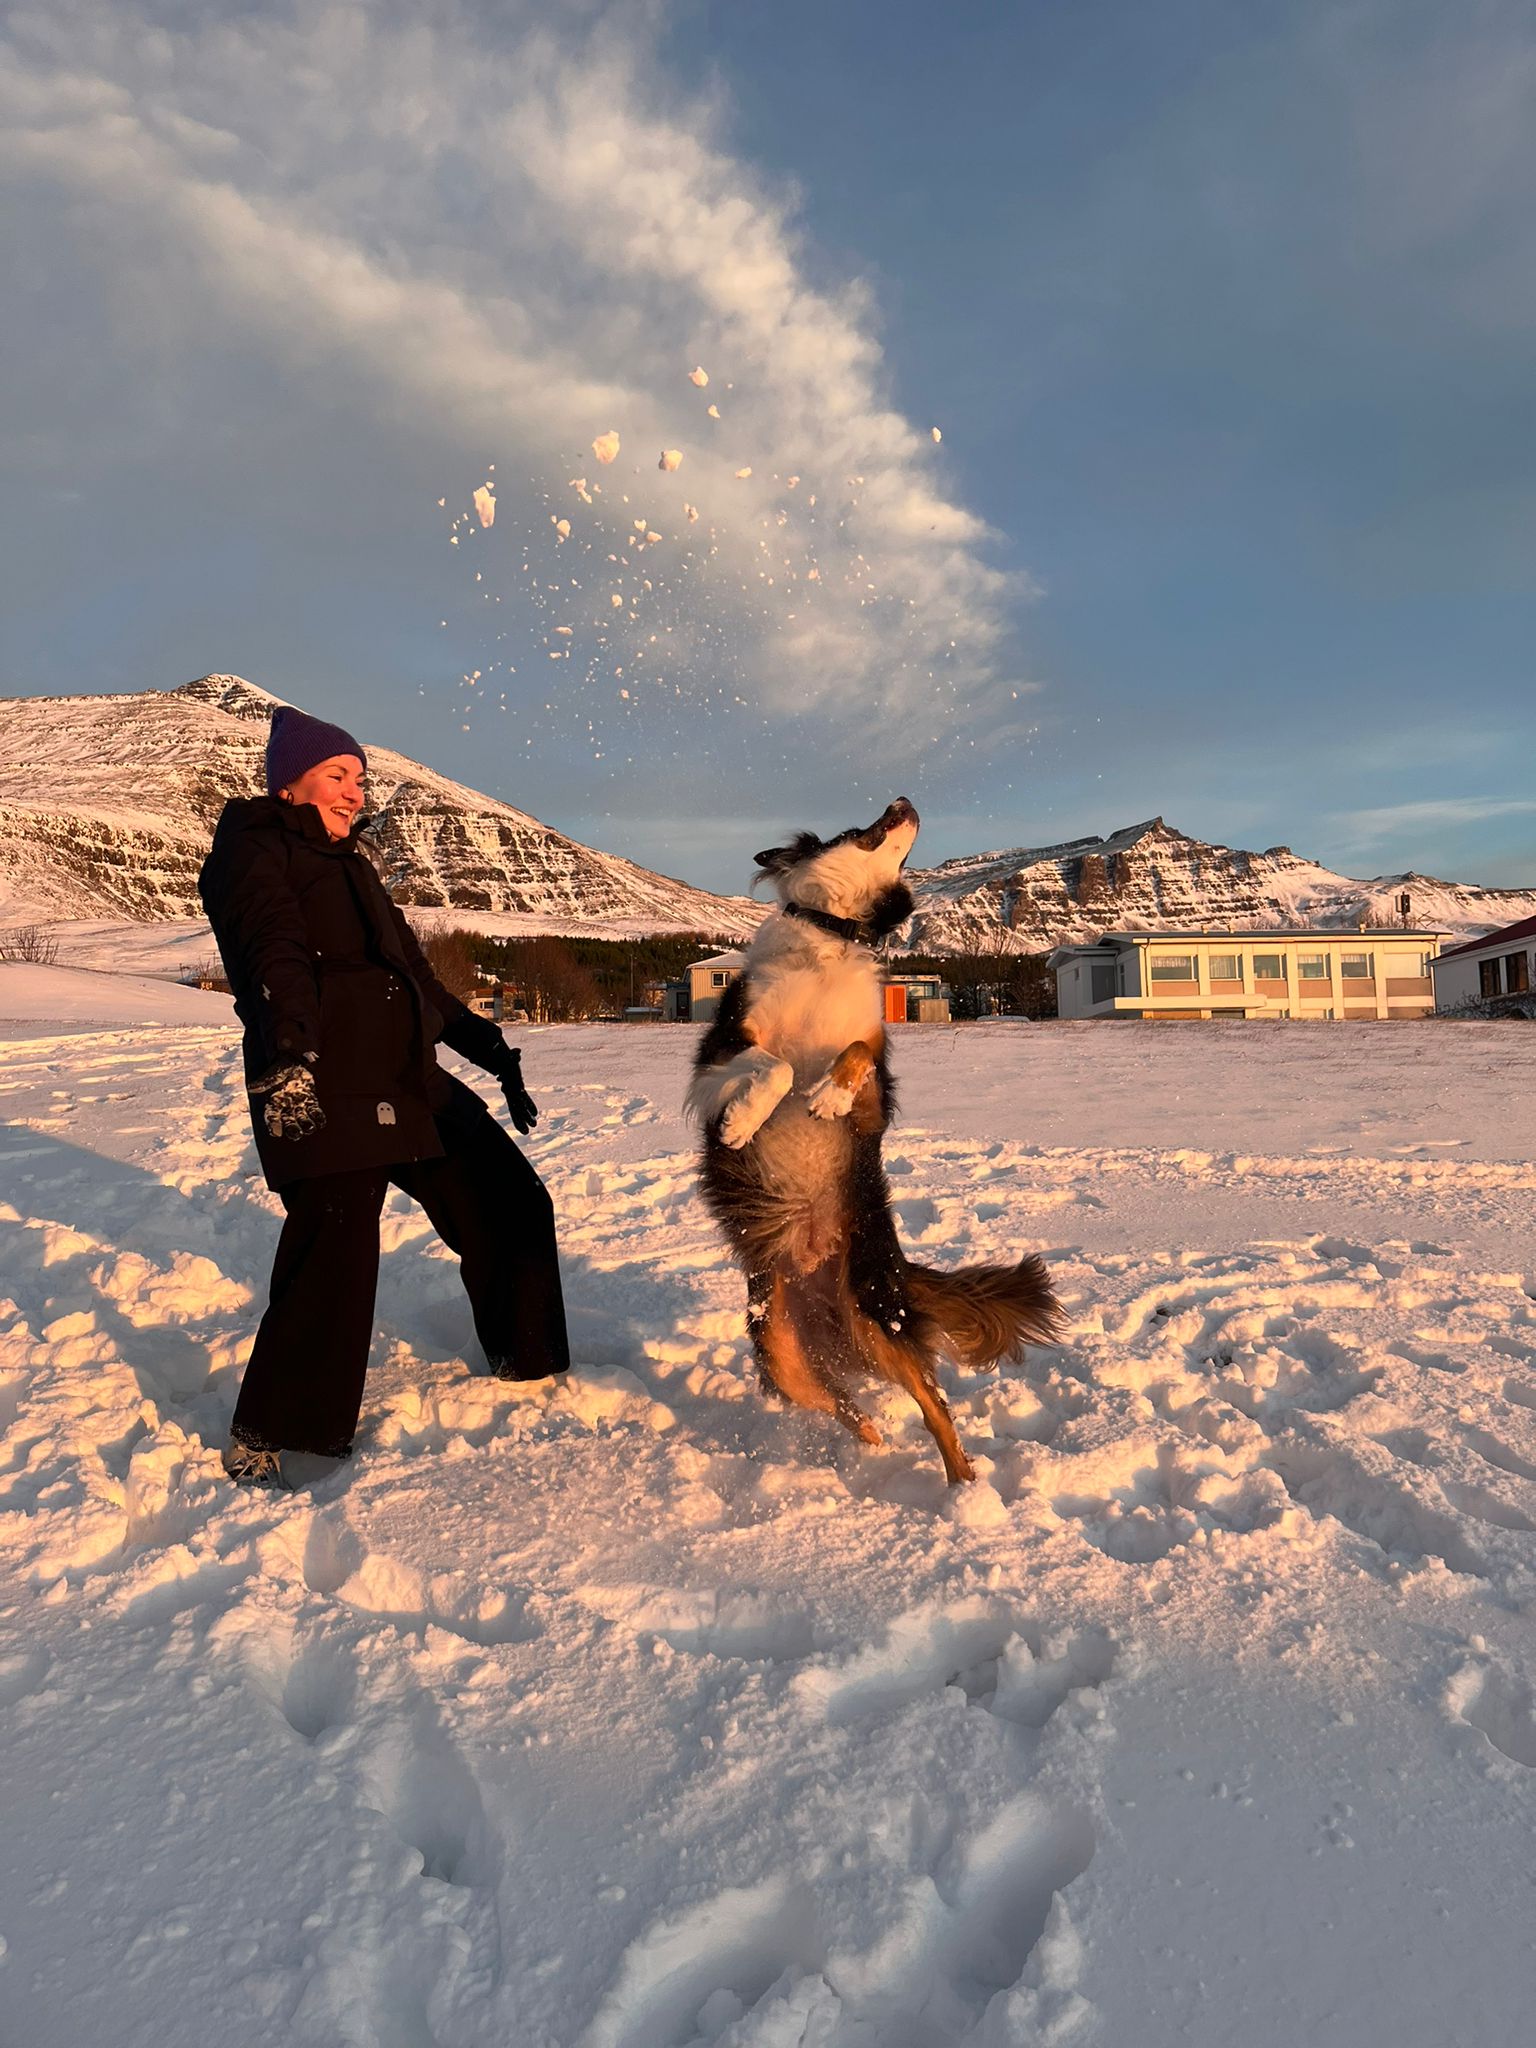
{"x": 810, "y": 1001}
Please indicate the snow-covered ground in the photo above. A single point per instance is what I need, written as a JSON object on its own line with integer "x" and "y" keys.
{"x": 77, "y": 995}
{"x": 638, "y": 1713}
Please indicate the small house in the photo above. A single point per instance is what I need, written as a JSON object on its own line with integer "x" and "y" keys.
{"x": 697, "y": 996}
{"x": 1501, "y": 963}
{"x": 1326, "y": 976}
{"x": 916, "y": 999}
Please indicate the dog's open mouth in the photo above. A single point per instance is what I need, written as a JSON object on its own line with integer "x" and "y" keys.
{"x": 901, "y": 812}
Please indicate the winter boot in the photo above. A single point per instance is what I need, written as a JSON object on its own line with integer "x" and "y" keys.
{"x": 519, "y": 1369}
{"x": 248, "y": 1465}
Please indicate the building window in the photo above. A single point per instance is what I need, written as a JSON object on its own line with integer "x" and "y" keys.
{"x": 1516, "y": 979}
{"x": 1226, "y": 967}
{"x": 1172, "y": 967}
{"x": 1269, "y": 967}
{"x": 1488, "y": 978}
{"x": 1356, "y": 966}
{"x": 1312, "y": 967}
{"x": 719, "y": 978}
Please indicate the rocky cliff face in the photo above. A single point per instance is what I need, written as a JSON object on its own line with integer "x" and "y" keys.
{"x": 1149, "y": 875}
{"x": 107, "y": 805}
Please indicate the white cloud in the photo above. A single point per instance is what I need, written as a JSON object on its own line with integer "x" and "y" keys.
{"x": 1369, "y": 827}
{"x": 515, "y": 234}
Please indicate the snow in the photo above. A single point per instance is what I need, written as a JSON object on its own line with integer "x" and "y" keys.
{"x": 632, "y": 1712}
{"x": 80, "y": 995}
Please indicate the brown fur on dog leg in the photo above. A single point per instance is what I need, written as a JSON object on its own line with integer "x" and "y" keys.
{"x": 854, "y": 1066}
{"x": 787, "y": 1358}
{"x": 787, "y": 1361}
{"x": 905, "y": 1368}
{"x": 781, "y": 1355}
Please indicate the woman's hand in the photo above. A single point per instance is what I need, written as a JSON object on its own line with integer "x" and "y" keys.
{"x": 520, "y": 1104}
{"x": 292, "y": 1107}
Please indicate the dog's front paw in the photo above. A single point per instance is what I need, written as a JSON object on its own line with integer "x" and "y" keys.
{"x": 828, "y": 1098}
{"x": 739, "y": 1125}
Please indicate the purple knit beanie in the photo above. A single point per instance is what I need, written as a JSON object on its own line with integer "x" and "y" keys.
{"x": 298, "y": 743}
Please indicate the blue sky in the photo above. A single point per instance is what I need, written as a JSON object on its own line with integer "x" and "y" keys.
{"x": 1225, "y": 314}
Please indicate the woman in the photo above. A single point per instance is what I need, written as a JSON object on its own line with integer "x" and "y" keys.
{"x": 341, "y": 1015}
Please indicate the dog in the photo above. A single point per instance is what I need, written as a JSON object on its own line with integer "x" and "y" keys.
{"x": 793, "y": 1087}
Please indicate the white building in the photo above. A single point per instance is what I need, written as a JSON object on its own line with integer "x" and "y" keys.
{"x": 1501, "y": 963}
{"x": 1293, "y": 972}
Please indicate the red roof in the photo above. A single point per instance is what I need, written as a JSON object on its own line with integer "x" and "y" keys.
{"x": 1525, "y": 929}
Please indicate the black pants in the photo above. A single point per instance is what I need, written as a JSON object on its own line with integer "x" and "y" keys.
{"x": 303, "y": 1387}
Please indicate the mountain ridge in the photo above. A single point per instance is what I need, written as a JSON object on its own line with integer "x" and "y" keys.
{"x": 1150, "y": 874}
{"x": 108, "y": 802}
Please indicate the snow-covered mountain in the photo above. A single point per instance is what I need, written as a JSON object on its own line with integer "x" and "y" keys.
{"x": 1150, "y": 875}
{"x": 107, "y": 805}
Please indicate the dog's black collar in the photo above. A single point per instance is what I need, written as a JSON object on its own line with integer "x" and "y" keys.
{"x": 853, "y": 929}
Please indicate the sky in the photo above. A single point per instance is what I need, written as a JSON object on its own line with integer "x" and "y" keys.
{"x": 1223, "y": 313}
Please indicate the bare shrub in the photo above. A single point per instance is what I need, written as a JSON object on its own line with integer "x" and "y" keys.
{"x": 29, "y": 943}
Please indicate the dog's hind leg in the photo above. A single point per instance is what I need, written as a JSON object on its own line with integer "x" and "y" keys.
{"x": 785, "y": 1356}
{"x": 905, "y": 1366}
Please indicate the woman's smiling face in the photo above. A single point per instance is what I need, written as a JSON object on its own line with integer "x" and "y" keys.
{"x": 335, "y": 788}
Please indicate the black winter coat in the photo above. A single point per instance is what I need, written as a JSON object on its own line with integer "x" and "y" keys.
{"x": 321, "y": 962}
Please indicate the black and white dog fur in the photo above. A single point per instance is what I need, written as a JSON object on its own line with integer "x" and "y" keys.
{"x": 793, "y": 1088}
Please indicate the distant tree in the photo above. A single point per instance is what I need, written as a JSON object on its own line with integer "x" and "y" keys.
{"x": 620, "y": 969}
{"x": 29, "y": 943}
{"x": 989, "y": 979}
{"x": 450, "y": 955}
{"x": 551, "y": 984}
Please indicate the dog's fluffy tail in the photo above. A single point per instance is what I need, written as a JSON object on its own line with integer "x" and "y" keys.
{"x": 985, "y": 1314}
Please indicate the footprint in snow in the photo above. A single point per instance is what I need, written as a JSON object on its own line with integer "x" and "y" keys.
{"x": 1498, "y": 1705}
{"x": 21, "y": 1674}
{"x": 1494, "y": 1452}
{"x": 1000, "y": 1661}
{"x": 311, "y": 1683}
{"x": 765, "y": 1963}
{"x": 715, "y": 1622}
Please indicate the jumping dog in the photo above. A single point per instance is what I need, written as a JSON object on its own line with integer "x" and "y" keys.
{"x": 793, "y": 1088}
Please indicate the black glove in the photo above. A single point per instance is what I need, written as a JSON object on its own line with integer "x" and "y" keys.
{"x": 520, "y": 1104}
{"x": 292, "y": 1108}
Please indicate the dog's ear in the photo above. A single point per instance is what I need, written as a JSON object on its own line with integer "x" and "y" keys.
{"x": 893, "y": 906}
{"x": 778, "y": 860}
